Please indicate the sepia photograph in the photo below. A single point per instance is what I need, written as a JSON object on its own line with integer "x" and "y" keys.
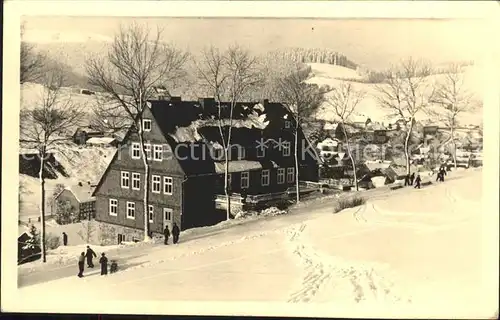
{"x": 318, "y": 166}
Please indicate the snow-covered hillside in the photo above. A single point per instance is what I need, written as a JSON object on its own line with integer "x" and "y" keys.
{"x": 369, "y": 107}
{"x": 81, "y": 165}
{"x": 347, "y": 261}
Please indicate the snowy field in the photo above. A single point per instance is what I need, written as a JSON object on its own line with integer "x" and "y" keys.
{"x": 332, "y": 76}
{"x": 404, "y": 253}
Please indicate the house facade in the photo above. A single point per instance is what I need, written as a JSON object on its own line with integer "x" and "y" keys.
{"x": 183, "y": 147}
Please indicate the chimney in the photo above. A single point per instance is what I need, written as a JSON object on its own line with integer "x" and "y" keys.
{"x": 175, "y": 99}
{"x": 264, "y": 102}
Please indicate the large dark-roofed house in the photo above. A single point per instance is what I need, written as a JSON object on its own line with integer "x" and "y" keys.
{"x": 183, "y": 143}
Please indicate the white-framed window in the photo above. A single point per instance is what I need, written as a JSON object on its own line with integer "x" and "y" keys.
{"x": 286, "y": 149}
{"x": 281, "y": 175}
{"x": 136, "y": 150}
{"x": 245, "y": 180}
{"x": 290, "y": 175}
{"x": 168, "y": 185}
{"x": 287, "y": 124}
{"x": 265, "y": 177}
{"x": 136, "y": 181}
{"x": 125, "y": 179}
{"x": 261, "y": 152}
{"x": 151, "y": 210}
{"x": 158, "y": 152}
{"x": 130, "y": 210}
{"x": 156, "y": 184}
{"x": 167, "y": 214}
{"x": 147, "y": 148}
{"x": 113, "y": 207}
{"x": 146, "y": 124}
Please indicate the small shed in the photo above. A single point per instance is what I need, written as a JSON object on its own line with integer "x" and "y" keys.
{"x": 82, "y": 134}
{"x": 26, "y": 252}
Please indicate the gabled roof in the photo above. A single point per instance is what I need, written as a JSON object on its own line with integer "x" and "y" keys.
{"x": 377, "y": 165}
{"x": 82, "y": 193}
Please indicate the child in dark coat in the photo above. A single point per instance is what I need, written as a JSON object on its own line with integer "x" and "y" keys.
{"x": 104, "y": 264}
{"x": 417, "y": 181}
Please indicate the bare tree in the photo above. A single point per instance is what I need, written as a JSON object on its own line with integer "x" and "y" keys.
{"x": 229, "y": 75}
{"x": 344, "y": 99}
{"x": 136, "y": 63}
{"x": 454, "y": 99}
{"x": 32, "y": 62}
{"x": 406, "y": 93}
{"x": 301, "y": 100}
{"x": 46, "y": 126}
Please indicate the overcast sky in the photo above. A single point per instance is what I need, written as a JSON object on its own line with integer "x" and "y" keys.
{"x": 374, "y": 43}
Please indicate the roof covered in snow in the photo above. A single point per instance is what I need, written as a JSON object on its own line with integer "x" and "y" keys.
{"x": 377, "y": 165}
{"x": 100, "y": 140}
{"x": 82, "y": 193}
{"x": 238, "y": 166}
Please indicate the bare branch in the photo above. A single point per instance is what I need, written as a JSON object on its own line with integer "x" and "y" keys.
{"x": 32, "y": 63}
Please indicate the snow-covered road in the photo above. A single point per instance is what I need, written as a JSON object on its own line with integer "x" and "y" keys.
{"x": 417, "y": 248}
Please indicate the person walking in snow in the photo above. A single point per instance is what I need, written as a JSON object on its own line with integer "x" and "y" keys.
{"x": 417, "y": 181}
{"x": 438, "y": 176}
{"x": 407, "y": 180}
{"x": 175, "y": 233}
{"x": 104, "y": 264}
{"x": 166, "y": 234}
{"x": 65, "y": 239}
{"x": 90, "y": 255}
{"x": 81, "y": 261}
{"x": 412, "y": 178}
{"x": 443, "y": 173}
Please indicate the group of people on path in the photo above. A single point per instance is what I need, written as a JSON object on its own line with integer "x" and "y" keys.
{"x": 175, "y": 233}
{"x": 89, "y": 255}
{"x": 411, "y": 180}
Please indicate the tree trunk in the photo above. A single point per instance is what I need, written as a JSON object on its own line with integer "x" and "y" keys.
{"x": 226, "y": 184}
{"x": 296, "y": 155}
{"x": 353, "y": 163}
{"x": 146, "y": 183}
{"x": 454, "y": 147}
{"x": 407, "y": 152}
{"x": 42, "y": 205}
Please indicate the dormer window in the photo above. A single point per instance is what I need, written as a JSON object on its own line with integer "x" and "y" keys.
{"x": 287, "y": 124}
{"x": 146, "y": 124}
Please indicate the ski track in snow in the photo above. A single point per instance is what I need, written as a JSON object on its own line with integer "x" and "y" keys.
{"x": 345, "y": 280}
{"x": 200, "y": 251}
